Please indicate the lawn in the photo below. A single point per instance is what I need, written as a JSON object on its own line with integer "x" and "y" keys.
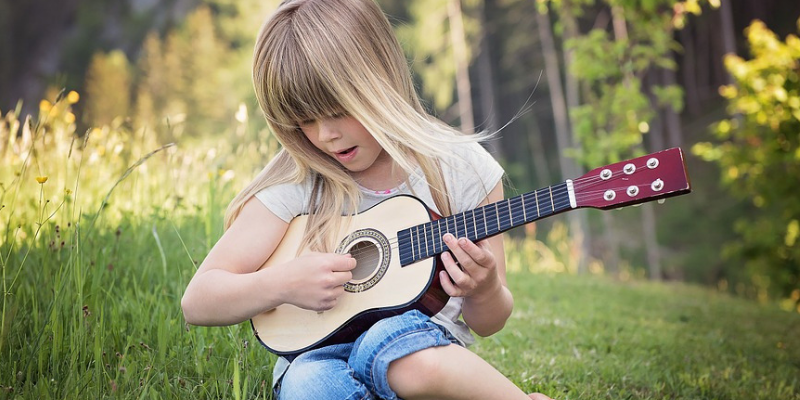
{"x": 589, "y": 337}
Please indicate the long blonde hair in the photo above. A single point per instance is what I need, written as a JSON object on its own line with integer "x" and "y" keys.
{"x": 317, "y": 58}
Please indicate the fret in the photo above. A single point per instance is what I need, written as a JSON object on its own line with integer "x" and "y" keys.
{"x": 510, "y": 216}
{"x": 497, "y": 214}
{"x": 474, "y": 225}
{"x": 504, "y": 214}
{"x": 536, "y": 197}
{"x": 464, "y": 224}
{"x": 404, "y": 244}
{"x": 510, "y": 213}
{"x": 530, "y": 204}
{"x": 439, "y": 240}
{"x": 552, "y": 205}
{"x": 542, "y": 198}
{"x": 425, "y": 238}
{"x": 491, "y": 213}
{"x": 524, "y": 214}
{"x": 429, "y": 249}
{"x": 434, "y": 239}
{"x": 415, "y": 240}
{"x": 515, "y": 204}
{"x": 563, "y": 197}
{"x": 469, "y": 226}
{"x": 485, "y": 228}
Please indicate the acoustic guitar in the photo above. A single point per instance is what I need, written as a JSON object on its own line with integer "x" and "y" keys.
{"x": 397, "y": 245}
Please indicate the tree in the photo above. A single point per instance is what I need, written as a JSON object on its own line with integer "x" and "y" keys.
{"x": 759, "y": 154}
{"x": 439, "y": 39}
{"x": 108, "y": 83}
{"x": 569, "y": 169}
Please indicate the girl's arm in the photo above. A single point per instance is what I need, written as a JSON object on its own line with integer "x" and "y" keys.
{"x": 228, "y": 288}
{"x": 479, "y": 277}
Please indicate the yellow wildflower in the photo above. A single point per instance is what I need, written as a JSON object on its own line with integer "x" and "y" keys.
{"x": 73, "y": 97}
{"x": 69, "y": 118}
{"x": 45, "y": 106}
{"x": 41, "y": 179}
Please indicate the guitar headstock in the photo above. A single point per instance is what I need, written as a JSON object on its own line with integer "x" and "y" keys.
{"x": 654, "y": 176}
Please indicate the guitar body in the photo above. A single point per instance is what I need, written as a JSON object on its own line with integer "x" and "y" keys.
{"x": 380, "y": 288}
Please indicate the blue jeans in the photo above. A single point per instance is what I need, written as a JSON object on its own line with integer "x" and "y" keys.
{"x": 358, "y": 370}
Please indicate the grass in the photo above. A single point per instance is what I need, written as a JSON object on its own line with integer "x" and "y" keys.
{"x": 95, "y": 259}
{"x": 589, "y": 337}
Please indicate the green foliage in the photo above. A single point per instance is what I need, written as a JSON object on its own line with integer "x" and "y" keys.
{"x": 107, "y": 84}
{"x": 759, "y": 154}
{"x": 615, "y": 110}
{"x": 191, "y": 80}
{"x": 427, "y": 40}
{"x": 614, "y": 114}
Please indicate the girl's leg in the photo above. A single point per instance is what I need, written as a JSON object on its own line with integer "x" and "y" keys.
{"x": 322, "y": 374}
{"x": 450, "y": 372}
{"x": 410, "y": 357}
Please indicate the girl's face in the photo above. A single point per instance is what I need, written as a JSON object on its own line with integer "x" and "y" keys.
{"x": 345, "y": 140}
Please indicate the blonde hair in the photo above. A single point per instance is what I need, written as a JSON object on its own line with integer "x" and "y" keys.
{"x": 318, "y": 58}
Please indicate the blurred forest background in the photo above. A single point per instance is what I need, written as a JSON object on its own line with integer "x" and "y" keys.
{"x": 574, "y": 84}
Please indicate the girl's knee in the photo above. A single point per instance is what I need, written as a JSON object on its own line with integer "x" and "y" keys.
{"x": 321, "y": 379}
{"x": 416, "y": 373}
{"x": 302, "y": 380}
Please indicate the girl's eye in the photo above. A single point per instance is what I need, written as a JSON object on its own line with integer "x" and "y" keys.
{"x": 306, "y": 122}
{"x": 339, "y": 115}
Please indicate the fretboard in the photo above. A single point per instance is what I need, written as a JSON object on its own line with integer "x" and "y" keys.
{"x": 425, "y": 240}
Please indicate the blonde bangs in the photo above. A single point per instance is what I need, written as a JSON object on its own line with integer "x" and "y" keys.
{"x": 293, "y": 90}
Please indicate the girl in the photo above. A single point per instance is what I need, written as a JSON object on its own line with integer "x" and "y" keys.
{"x": 335, "y": 88}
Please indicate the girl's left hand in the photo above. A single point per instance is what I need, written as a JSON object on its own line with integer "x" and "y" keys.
{"x": 473, "y": 272}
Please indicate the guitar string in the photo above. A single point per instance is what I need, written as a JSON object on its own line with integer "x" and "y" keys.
{"x": 583, "y": 182}
{"x": 516, "y": 208}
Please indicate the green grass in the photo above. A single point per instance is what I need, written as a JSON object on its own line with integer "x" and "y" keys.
{"x": 588, "y": 337}
{"x": 93, "y": 267}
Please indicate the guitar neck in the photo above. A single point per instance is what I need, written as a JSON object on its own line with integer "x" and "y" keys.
{"x": 425, "y": 240}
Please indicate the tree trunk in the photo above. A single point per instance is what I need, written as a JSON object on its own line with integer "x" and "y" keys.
{"x": 573, "y": 101}
{"x": 728, "y": 33}
{"x": 703, "y": 60}
{"x": 457, "y": 37}
{"x": 648, "y": 217}
{"x": 689, "y": 71}
{"x": 672, "y": 121}
{"x": 568, "y": 168}
{"x": 651, "y": 239}
{"x": 487, "y": 88}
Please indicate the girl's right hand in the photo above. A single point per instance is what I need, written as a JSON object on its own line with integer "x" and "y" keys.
{"x": 315, "y": 281}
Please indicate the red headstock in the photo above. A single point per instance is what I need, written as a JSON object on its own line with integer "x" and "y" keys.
{"x": 651, "y": 177}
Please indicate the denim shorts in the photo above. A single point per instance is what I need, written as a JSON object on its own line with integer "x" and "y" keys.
{"x": 358, "y": 370}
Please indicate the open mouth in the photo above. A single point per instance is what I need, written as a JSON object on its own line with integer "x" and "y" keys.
{"x": 346, "y": 151}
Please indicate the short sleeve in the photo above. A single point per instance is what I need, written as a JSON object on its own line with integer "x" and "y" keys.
{"x": 286, "y": 200}
{"x": 471, "y": 174}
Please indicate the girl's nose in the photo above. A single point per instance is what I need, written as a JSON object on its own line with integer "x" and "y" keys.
{"x": 328, "y": 131}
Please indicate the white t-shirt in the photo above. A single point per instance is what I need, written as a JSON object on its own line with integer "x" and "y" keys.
{"x": 469, "y": 176}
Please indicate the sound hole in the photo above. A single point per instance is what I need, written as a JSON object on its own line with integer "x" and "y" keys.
{"x": 372, "y": 252}
{"x": 367, "y": 257}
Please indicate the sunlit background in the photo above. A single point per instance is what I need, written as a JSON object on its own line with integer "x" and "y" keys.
{"x": 127, "y": 126}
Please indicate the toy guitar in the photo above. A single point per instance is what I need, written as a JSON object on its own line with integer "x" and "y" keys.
{"x": 397, "y": 244}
